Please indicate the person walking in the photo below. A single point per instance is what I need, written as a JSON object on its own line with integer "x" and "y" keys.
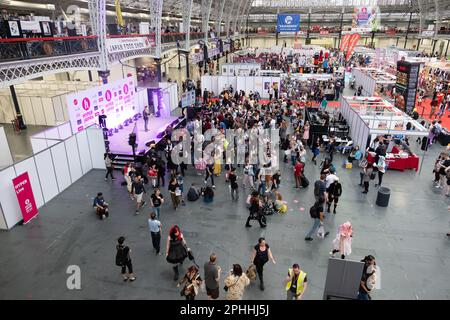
{"x": 161, "y": 166}
{"x": 255, "y": 211}
{"x": 320, "y": 188}
{"x": 317, "y": 214}
{"x": 175, "y": 192}
{"x": 145, "y": 115}
{"x": 235, "y": 283}
{"x": 233, "y": 184}
{"x": 212, "y": 277}
{"x": 334, "y": 191}
{"x": 123, "y": 259}
{"x": 368, "y": 171}
{"x": 156, "y": 200}
{"x": 248, "y": 176}
{"x": 343, "y": 241}
{"x": 261, "y": 255}
{"x": 109, "y": 166}
{"x": 362, "y": 165}
{"x": 369, "y": 270}
{"x": 137, "y": 192}
{"x": 298, "y": 171}
{"x": 305, "y": 136}
{"x": 176, "y": 249}
{"x": 296, "y": 283}
{"x": 315, "y": 149}
{"x": 381, "y": 168}
{"x": 155, "y": 227}
{"x": 210, "y": 173}
{"x": 191, "y": 282}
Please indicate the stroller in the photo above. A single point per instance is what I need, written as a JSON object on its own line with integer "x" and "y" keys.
{"x": 267, "y": 208}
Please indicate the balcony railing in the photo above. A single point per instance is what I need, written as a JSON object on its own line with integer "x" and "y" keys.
{"x": 32, "y": 48}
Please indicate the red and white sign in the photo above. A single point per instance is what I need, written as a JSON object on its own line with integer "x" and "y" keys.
{"x": 353, "y": 41}
{"x": 344, "y": 42}
{"x": 115, "y": 45}
{"x": 115, "y": 100}
{"x": 25, "y": 197}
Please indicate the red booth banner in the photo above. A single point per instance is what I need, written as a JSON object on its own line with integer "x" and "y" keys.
{"x": 25, "y": 197}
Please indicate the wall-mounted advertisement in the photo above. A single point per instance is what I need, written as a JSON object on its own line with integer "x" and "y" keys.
{"x": 115, "y": 45}
{"x": 115, "y": 100}
{"x": 406, "y": 86}
{"x": 288, "y": 23}
{"x": 366, "y": 19}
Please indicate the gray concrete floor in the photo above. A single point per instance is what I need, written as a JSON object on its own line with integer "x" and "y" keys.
{"x": 20, "y": 143}
{"x": 407, "y": 238}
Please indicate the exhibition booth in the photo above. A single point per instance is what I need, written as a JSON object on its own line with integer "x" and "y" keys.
{"x": 374, "y": 81}
{"x": 371, "y": 117}
{"x": 60, "y": 160}
{"x": 218, "y": 84}
{"x": 41, "y": 102}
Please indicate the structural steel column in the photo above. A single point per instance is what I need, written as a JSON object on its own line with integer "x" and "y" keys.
{"x": 206, "y": 11}
{"x": 228, "y": 20}
{"x": 97, "y": 12}
{"x": 236, "y": 16}
{"x": 155, "y": 22}
{"x": 407, "y": 30}
{"x": 220, "y": 5}
{"x": 187, "y": 14}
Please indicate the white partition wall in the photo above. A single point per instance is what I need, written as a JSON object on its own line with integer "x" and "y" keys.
{"x": 217, "y": 84}
{"x": 51, "y": 171}
{"x": 5, "y": 152}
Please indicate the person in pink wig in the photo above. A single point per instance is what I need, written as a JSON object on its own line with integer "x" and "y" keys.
{"x": 343, "y": 241}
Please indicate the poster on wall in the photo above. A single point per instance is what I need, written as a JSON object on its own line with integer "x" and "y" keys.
{"x": 365, "y": 19}
{"x": 406, "y": 86}
{"x": 188, "y": 99}
{"x": 115, "y": 100}
{"x": 288, "y": 23}
{"x": 25, "y": 197}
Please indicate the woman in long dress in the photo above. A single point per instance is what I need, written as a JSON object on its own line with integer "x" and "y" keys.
{"x": 343, "y": 241}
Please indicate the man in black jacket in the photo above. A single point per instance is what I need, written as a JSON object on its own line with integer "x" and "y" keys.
{"x": 334, "y": 192}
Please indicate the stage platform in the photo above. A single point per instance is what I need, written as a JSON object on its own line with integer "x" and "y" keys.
{"x": 119, "y": 141}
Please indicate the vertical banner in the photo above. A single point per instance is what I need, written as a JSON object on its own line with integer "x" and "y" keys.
{"x": 406, "y": 86}
{"x": 25, "y": 197}
{"x": 353, "y": 41}
{"x": 344, "y": 42}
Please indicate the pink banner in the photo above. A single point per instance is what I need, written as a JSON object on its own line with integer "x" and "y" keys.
{"x": 352, "y": 44}
{"x": 25, "y": 197}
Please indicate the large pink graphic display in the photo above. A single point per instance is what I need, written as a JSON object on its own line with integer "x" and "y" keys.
{"x": 25, "y": 197}
{"x": 115, "y": 100}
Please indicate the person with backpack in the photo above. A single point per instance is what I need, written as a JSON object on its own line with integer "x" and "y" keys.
{"x": 193, "y": 193}
{"x": 233, "y": 184}
{"x": 334, "y": 192}
{"x": 320, "y": 188}
{"x": 317, "y": 214}
{"x": 123, "y": 259}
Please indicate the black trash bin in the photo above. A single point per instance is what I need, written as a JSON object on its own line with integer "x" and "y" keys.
{"x": 383, "y": 196}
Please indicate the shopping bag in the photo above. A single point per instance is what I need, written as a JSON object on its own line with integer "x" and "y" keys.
{"x": 251, "y": 272}
{"x": 321, "y": 232}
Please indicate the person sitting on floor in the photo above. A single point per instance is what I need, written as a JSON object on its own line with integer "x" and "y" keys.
{"x": 101, "y": 206}
{"x": 208, "y": 195}
{"x": 193, "y": 193}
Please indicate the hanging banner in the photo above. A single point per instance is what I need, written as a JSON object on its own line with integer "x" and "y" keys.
{"x": 352, "y": 42}
{"x": 25, "y": 197}
{"x": 288, "y": 23}
{"x": 115, "y": 45}
{"x": 115, "y": 100}
{"x": 365, "y": 19}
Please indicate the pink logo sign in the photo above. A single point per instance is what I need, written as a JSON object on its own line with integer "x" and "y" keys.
{"x": 108, "y": 95}
{"x": 25, "y": 197}
{"x": 75, "y": 102}
{"x": 86, "y": 104}
{"x": 125, "y": 89}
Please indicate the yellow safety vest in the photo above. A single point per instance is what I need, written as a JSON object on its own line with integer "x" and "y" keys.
{"x": 300, "y": 281}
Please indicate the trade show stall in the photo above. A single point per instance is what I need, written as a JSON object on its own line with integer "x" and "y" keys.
{"x": 374, "y": 81}
{"x": 218, "y": 84}
{"x": 371, "y": 117}
{"x": 241, "y": 69}
{"x": 50, "y": 171}
{"x": 41, "y": 102}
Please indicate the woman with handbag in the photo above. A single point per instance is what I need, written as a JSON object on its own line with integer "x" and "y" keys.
{"x": 192, "y": 282}
{"x": 176, "y": 249}
{"x": 235, "y": 283}
{"x": 261, "y": 255}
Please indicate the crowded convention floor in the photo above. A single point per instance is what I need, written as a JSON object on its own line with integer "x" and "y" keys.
{"x": 250, "y": 163}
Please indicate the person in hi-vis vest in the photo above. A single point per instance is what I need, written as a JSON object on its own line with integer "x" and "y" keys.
{"x": 296, "y": 283}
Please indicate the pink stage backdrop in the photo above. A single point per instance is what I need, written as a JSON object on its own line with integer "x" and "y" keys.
{"x": 115, "y": 100}
{"x": 25, "y": 196}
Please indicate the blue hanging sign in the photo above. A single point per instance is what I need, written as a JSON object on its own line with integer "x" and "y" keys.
{"x": 288, "y": 23}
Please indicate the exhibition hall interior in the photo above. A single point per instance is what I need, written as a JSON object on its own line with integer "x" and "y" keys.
{"x": 225, "y": 150}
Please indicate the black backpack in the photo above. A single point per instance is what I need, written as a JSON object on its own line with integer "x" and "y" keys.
{"x": 313, "y": 212}
{"x": 120, "y": 256}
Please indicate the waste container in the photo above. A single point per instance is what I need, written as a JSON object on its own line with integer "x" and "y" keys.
{"x": 383, "y": 196}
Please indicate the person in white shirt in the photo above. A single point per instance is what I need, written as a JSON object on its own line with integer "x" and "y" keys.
{"x": 328, "y": 181}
